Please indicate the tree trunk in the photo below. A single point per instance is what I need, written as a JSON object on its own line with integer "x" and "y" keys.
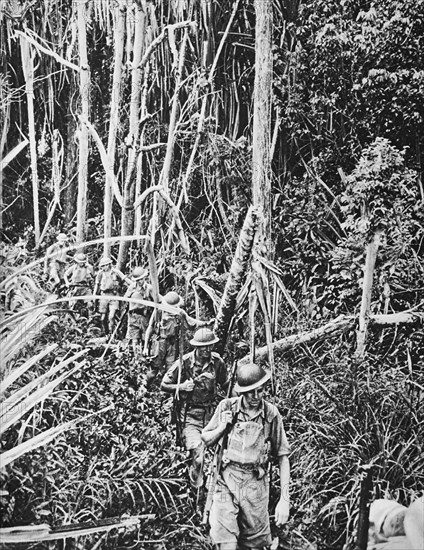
{"x": 127, "y": 218}
{"x": 261, "y": 166}
{"x": 361, "y": 336}
{"x": 28, "y": 69}
{"x": 261, "y": 163}
{"x": 333, "y": 328}
{"x": 236, "y": 278}
{"x": 82, "y": 15}
{"x": 119, "y": 41}
{"x": 71, "y": 156}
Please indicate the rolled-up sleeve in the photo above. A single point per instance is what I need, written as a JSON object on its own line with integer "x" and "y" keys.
{"x": 279, "y": 443}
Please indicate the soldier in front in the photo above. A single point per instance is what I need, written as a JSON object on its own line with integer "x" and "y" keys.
{"x": 250, "y": 430}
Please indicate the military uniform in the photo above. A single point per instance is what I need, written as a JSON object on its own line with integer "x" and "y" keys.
{"x": 138, "y": 315}
{"x": 167, "y": 343}
{"x": 108, "y": 282}
{"x": 79, "y": 277}
{"x": 239, "y": 509}
{"x": 197, "y": 405}
{"x": 55, "y": 263}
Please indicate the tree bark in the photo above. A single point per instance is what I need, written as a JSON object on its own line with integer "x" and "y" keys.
{"x": 128, "y": 215}
{"x": 261, "y": 162}
{"x": 361, "y": 336}
{"x": 119, "y": 40}
{"x": 82, "y": 15}
{"x": 236, "y": 278}
{"x": 28, "y": 69}
{"x": 333, "y": 328}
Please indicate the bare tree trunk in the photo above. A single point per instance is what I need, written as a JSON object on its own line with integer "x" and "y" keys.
{"x": 261, "y": 166}
{"x": 236, "y": 278}
{"x": 127, "y": 218}
{"x": 261, "y": 162}
{"x": 361, "y": 336}
{"x": 28, "y": 69}
{"x": 333, "y": 328}
{"x": 70, "y": 193}
{"x": 119, "y": 41}
{"x": 82, "y": 15}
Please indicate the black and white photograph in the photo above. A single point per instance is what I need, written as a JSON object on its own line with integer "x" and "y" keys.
{"x": 211, "y": 274}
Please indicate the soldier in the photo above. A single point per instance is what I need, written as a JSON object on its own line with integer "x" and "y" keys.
{"x": 167, "y": 344}
{"x": 108, "y": 281}
{"x": 55, "y": 260}
{"x": 79, "y": 277}
{"x": 195, "y": 383}
{"x": 138, "y": 315}
{"x": 249, "y": 430}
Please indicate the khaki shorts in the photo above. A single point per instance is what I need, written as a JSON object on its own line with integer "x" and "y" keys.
{"x": 165, "y": 353}
{"x": 137, "y": 326}
{"x": 108, "y": 305}
{"x": 239, "y": 509}
{"x": 196, "y": 420}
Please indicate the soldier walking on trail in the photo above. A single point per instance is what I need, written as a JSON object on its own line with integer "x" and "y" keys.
{"x": 55, "y": 260}
{"x": 249, "y": 431}
{"x": 108, "y": 282}
{"x": 195, "y": 383}
{"x": 79, "y": 277}
{"x": 138, "y": 315}
{"x": 168, "y": 339}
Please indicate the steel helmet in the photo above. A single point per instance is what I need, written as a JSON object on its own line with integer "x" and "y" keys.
{"x": 139, "y": 273}
{"x": 203, "y": 337}
{"x": 173, "y": 299}
{"x": 80, "y": 257}
{"x": 250, "y": 376}
{"x": 105, "y": 261}
{"x": 62, "y": 237}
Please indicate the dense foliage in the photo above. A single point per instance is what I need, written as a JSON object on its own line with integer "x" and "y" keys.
{"x": 348, "y": 138}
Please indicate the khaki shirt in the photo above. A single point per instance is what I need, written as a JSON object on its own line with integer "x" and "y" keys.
{"x": 205, "y": 377}
{"x": 268, "y": 415}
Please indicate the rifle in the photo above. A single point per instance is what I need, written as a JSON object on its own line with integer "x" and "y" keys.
{"x": 219, "y": 452}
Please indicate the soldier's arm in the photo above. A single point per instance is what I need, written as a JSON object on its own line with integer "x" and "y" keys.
{"x": 123, "y": 277}
{"x": 67, "y": 274}
{"x": 170, "y": 381}
{"x": 213, "y": 432}
{"x": 282, "y": 510}
{"x": 193, "y": 322}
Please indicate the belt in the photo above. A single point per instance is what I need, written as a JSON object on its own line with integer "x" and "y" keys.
{"x": 240, "y": 466}
{"x": 202, "y": 405}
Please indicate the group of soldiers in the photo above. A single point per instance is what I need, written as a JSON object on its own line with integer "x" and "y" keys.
{"x": 245, "y": 429}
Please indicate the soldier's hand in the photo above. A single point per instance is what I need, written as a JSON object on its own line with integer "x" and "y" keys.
{"x": 282, "y": 511}
{"x": 226, "y": 417}
{"x": 188, "y": 385}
